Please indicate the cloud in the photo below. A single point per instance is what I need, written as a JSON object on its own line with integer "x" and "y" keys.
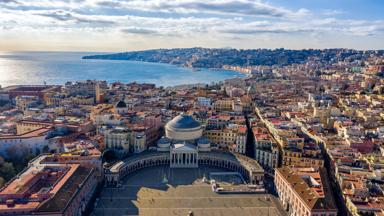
{"x": 9, "y": 1}
{"x": 8, "y": 4}
{"x": 61, "y": 15}
{"x": 256, "y": 31}
{"x": 111, "y": 4}
{"x": 6, "y": 27}
{"x": 255, "y": 8}
{"x": 209, "y": 21}
{"x": 330, "y": 12}
{"x": 139, "y": 31}
{"x": 265, "y": 28}
{"x": 224, "y": 7}
{"x": 316, "y": 26}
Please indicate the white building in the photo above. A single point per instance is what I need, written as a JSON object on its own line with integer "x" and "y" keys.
{"x": 140, "y": 142}
{"x": 204, "y": 101}
{"x": 107, "y": 119}
{"x": 124, "y": 140}
{"x": 267, "y": 153}
{"x": 32, "y": 142}
{"x": 241, "y": 141}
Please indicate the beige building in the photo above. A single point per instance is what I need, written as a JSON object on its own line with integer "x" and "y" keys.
{"x": 223, "y": 105}
{"x": 23, "y": 102}
{"x": 82, "y": 100}
{"x": 305, "y": 192}
{"x": 54, "y": 98}
{"x": 225, "y": 138}
{"x": 302, "y": 158}
{"x": 23, "y": 127}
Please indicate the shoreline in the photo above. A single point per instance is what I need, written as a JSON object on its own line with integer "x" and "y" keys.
{"x": 52, "y": 68}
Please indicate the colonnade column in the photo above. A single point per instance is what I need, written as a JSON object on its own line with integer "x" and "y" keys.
{"x": 183, "y": 159}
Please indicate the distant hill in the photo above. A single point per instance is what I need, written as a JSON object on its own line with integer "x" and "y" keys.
{"x": 216, "y": 58}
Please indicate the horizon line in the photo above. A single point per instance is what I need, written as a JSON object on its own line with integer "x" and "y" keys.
{"x": 138, "y": 50}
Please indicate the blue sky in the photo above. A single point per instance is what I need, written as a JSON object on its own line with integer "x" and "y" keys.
{"x": 120, "y": 25}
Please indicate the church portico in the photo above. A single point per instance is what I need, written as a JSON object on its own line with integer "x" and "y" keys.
{"x": 183, "y": 156}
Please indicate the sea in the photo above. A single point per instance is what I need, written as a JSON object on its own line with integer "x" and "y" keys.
{"x": 59, "y": 67}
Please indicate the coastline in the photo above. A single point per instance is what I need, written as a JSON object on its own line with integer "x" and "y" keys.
{"x": 56, "y": 68}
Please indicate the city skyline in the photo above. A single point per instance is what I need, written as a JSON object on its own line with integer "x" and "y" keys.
{"x": 192, "y": 107}
{"x": 108, "y": 25}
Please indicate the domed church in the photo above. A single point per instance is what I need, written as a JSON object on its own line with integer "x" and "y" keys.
{"x": 121, "y": 107}
{"x": 183, "y": 139}
{"x": 183, "y": 127}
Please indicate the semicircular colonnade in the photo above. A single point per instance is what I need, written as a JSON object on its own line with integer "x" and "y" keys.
{"x": 121, "y": 169}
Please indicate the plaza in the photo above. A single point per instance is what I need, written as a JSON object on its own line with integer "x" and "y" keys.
{"x": 161, "y": 190}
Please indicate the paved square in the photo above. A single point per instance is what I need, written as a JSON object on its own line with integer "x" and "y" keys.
{"x": 144, "y": 193}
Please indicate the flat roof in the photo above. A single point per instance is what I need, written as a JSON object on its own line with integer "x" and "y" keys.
{"x": 65, "y": 194}
{"x": 24, "y": 184}
{"x": 30, "y": 134}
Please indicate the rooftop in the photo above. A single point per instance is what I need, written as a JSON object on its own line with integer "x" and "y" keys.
{"x": 82, "y": 147}
{"x": 35, "y": 133}
{"x": 314, "y": 197}
{"x": 63, "y": 196}
{"x": 40, "y": 185}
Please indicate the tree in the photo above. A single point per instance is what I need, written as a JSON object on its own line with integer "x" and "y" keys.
{"x": 7, "y": 171}
{"x": 45, "y": 149}
{"x": 109, "y": 155}
{"x": 2, "y": 182}
{"x": 17, "y": 153}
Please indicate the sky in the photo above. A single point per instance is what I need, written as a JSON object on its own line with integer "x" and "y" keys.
{"x": 125, "y": 25}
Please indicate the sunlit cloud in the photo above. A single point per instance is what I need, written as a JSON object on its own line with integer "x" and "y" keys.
{"x": 192, "y": 22}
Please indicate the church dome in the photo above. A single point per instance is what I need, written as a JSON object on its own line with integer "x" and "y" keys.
{"x": 183, "y": 121}
{"x": 163, "y": 143}
{"x": 203, "y": 142}
{"x": 183, "y": 127}
{"x": 120, "y": 104}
